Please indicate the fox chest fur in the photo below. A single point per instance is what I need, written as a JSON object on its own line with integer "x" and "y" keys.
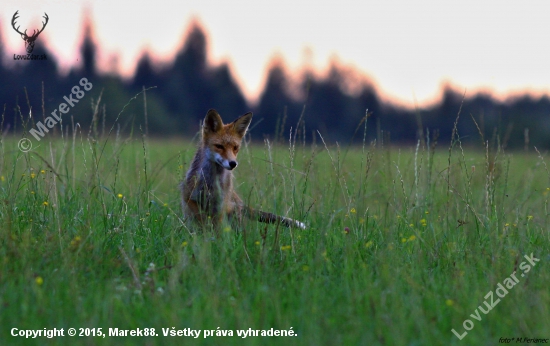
{"x": 209, "y": 185}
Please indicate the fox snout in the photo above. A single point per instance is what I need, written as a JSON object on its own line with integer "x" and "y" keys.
{"x": 228, "y": 164}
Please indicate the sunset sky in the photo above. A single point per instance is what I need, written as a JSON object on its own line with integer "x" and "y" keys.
{"x": 408, "y": 49}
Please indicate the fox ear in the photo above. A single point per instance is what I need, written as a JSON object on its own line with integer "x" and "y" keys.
{"x": 241, "y": 124}
{"x": 212, "y": 122}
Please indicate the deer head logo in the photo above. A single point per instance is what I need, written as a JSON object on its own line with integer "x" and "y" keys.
{"x": 29, "y": 40}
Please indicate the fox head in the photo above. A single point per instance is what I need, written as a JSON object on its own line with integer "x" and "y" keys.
{"x": 224, "y": 141}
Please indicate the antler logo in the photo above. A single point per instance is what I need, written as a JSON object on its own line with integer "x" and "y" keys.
{"x": 29, "y": 40}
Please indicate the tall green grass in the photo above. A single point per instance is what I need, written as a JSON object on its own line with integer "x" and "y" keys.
{"x": 402, "y": 244}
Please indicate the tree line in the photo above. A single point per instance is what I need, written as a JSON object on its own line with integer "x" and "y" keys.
{"x": 186, "y": 88}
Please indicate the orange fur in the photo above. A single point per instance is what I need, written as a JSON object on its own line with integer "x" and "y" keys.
{"x": 207, "y": 191}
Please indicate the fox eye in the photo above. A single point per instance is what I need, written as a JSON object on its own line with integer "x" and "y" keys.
{"x": 219, "y": 146}
{"x": 236, "y": 148}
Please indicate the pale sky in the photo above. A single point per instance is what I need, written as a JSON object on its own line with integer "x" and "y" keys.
{"x": 409, "y": 49}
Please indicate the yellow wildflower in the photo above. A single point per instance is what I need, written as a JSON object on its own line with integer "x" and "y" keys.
{"x": 184, "y": 244}
{"x": 286, "y": 247}
{"x": 119, "y": 195}
{"x": 449, "y": 302}
{"x": 75, "y": 242}
{"x": 39, "y": 281}
{"x": 412, "y": 237}
{"x": 45, "y": 203}
{"x": 368, "y": 244}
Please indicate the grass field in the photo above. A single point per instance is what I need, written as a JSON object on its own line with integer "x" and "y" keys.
{"x": 403, "y": 244}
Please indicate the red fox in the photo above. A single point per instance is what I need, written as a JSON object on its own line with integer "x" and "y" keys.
{"x": 207, "y": 191}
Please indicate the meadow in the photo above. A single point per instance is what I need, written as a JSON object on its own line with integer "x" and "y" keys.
{"x": 403, "y": 243}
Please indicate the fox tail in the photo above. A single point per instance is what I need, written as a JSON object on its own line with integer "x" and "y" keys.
{"x": 266, "y": 217}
